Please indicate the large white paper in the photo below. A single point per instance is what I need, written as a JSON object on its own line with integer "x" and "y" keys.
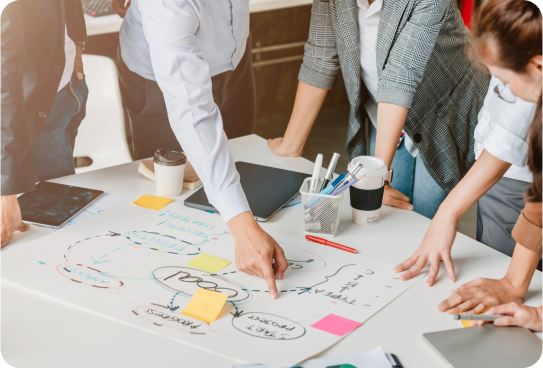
{"x": 128, "y": 264}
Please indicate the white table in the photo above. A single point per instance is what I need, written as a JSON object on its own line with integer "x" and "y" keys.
{"x": 112, "y": 23}
{"x": 40, "y": 331}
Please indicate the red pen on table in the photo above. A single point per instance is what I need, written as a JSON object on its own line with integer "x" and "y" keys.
{"x": 329, "y": 243}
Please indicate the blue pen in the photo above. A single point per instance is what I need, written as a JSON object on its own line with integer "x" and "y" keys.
{"x": 325, "y": 191}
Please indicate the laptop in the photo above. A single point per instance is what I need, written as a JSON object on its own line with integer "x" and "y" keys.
{"x": 486, "y": 346}
{"x": 267, "y": 189}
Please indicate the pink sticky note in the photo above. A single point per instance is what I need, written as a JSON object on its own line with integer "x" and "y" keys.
{"x": 336, "y": 325}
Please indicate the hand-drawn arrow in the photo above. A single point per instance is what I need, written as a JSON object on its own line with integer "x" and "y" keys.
{"x": 237, "y": 313}
{"x": 308, "y": 261}
{"x": 205, "y": 241}
{"x": 170, "y": 306}
{"x": 301, "y": 289}
{"x": 98, "y": 261}
{"x": 111, "y": 234}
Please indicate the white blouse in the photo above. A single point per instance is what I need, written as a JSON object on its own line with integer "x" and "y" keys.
{"x": 368, "y": 28}
{"x": 503, "y": 129}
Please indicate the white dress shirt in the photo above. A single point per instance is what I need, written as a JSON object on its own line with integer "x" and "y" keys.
{"x": 368, "y": 27}
{"x": 181, "y": 44}
{"x": 502, "y": 130}
{"x": 69, "y": 51}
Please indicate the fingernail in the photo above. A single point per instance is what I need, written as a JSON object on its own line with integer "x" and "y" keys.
{"x": 273, "y": 294}
{"x": 410, "y": 207}
{"x": 451, "y": 279}
{"x": 80, "y": 76}
{"x": 454, "y": 291}
{"x": 428, "y": 284}
{"x": 441, "y": 307}
{"x": 395, "y": 269}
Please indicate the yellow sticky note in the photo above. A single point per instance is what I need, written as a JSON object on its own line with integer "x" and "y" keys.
{"x": 152, "y": 202}
{"x": 209, "y": 263}
{"x": 205, "y": 305}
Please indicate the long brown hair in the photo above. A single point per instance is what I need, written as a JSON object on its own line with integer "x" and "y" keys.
{"x": 509, "y": 33}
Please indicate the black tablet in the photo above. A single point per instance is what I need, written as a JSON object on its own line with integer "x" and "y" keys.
{"x": 53, "y": 205}
{"x": 267, "y": 189}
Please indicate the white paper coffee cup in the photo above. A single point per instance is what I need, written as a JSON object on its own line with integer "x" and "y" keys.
{"x": 169, "y": 172}
{"x": 367, "y": 193}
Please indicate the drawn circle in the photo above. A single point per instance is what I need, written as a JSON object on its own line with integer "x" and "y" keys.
{"x": 186, "y": 280}
{"x": 317, "y": 262}
{"x": 163, "y": 243}
{"x": 164, "y": 317}
{"x": 268, "y": 326}
{"x": 87, "y": 275}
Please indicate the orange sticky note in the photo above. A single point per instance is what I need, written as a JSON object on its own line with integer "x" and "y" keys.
{"x": 205, "y": 305}
{"x": 152, "y": 202}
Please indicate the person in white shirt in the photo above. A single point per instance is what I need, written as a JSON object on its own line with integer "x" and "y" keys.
{"x": 186, "y": 79}
{"x": 497, "y": 180}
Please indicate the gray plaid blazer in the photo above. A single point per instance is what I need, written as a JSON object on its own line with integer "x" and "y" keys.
{"x": 422, "y": 64}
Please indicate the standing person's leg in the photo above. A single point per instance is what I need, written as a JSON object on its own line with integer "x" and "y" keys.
{"x": 52, "y": 152}
{"x": 147, "y": 112}
{"x": 403, "y": 165}
{"x": 427, "y": 194}
{"x": 498, "y": 211}
{"x": 234, "y": 92}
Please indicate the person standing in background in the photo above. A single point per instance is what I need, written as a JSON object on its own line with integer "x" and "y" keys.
{"x": 406, "y": 65}
{"x": 43, "y": 97}
{"x": 225, "y": 49}
{"x": 187, "y": 82}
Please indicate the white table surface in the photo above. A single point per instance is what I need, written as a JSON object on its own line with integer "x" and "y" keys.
{"x": 112, "y": 23}
{"x": 41, "y": 331}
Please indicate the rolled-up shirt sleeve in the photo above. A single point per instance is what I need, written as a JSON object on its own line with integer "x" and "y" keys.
{"x": 527, "y": 230}
{"x": 185, "y": 80}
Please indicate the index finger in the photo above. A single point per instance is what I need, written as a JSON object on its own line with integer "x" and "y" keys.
{"x": 269, "y": 276}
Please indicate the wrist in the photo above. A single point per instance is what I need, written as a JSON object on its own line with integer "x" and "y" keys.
{"x": 517, "y": 285}
{"x": 242, "y": 224}
{"x": 293, "y": 144}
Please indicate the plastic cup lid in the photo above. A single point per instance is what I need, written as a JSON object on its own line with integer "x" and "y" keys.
{"x": 371, "y": 166}
{"x": 167, "y": 157}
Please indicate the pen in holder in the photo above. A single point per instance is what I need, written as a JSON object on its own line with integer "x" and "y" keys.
{"x": 321, "y": 212}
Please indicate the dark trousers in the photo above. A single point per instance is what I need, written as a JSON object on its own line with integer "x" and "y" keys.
{"x": 233, "y": 92}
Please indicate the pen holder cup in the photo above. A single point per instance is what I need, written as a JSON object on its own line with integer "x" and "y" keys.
{"x": 321, "y": 212}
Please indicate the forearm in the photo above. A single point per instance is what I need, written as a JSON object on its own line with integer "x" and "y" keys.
{"x": 522, "y": 268}
{"x": 390, "y": 121}
{"x": 307, "y": 105}
{"x": 486, "y": 172}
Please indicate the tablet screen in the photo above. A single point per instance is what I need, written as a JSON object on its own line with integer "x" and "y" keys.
{"x": 52, "y": 204}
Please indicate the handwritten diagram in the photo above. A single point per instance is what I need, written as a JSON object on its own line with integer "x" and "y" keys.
{"x": 130, "y": 264}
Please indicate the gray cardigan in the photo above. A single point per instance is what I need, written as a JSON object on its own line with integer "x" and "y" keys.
{"x": 422, "y": 65}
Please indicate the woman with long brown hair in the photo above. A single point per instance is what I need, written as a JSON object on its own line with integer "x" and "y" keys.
{"x": 508, "y": 40}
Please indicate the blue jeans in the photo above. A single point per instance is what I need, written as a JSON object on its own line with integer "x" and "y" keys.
{"x": 52, "y": 153}
{"x": 412, "y": 179}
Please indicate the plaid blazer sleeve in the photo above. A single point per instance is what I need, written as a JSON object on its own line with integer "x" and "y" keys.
{"x": 321, "y": 64}
{"x": 410, "y": 52}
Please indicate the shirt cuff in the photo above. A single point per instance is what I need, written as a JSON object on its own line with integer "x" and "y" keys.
{"x": 527, "y": 234}
{"x": 394, "y": 97}
{"x": 231, "y": 202}
{"x": 316, "y": 79}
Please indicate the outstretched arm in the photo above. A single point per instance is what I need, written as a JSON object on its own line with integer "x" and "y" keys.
{"x": 437, "y": 243}
{"x": 185, "y": 80}
{"x": 307, "y": 105}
